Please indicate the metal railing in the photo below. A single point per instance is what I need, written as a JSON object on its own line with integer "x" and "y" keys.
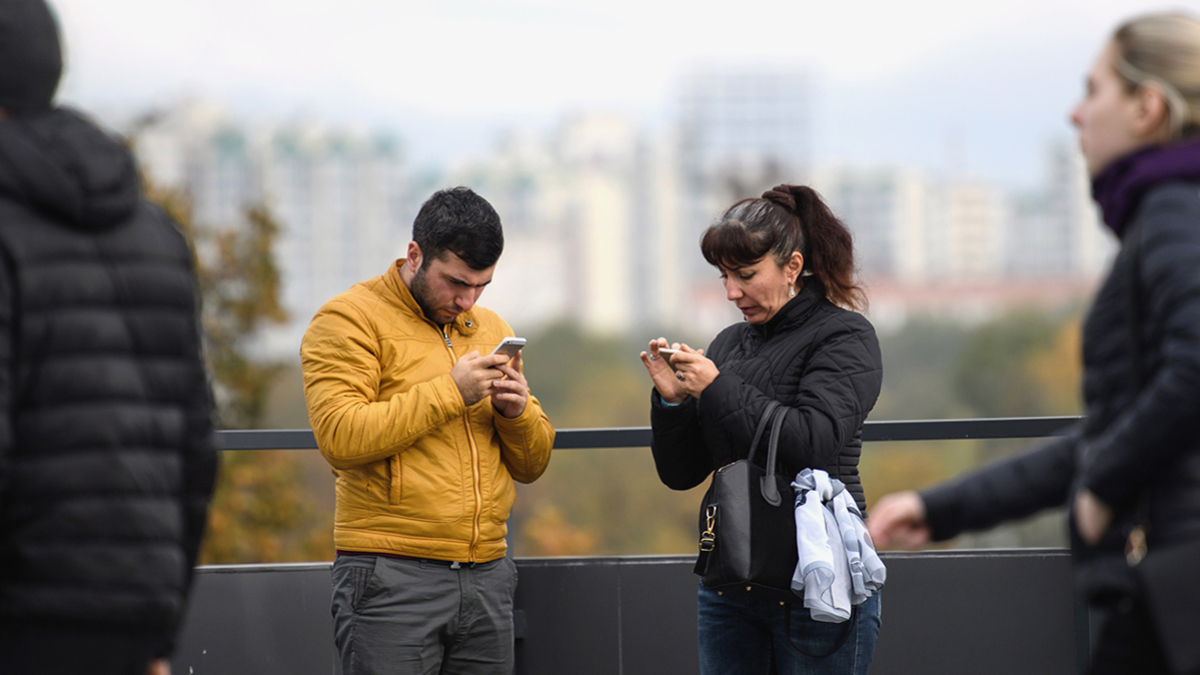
{"x": 638, "y": 437}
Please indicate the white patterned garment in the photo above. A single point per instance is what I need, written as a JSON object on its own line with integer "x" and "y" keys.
{"x": 838, "y": 566}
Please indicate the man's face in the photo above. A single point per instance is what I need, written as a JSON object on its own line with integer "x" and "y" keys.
{"x": 446, "y": 286}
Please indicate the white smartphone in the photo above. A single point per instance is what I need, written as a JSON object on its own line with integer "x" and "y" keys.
{"x": 509, "y": 346}
{"x": 668, "y": 352}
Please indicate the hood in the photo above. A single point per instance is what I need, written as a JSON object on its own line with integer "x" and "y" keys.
{"x": 65, "y": 166}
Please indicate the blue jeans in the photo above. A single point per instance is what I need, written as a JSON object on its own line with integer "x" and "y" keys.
{"x": 744, "y": 633}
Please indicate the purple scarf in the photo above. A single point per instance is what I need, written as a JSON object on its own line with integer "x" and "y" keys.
{"x": 1120, "y": 187}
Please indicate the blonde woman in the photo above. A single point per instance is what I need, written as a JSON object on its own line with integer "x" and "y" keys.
{"x": 1132, "y": 464}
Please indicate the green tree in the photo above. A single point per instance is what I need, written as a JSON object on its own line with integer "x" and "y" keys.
{"x": 262, "y": 510}
{"x": 1023, "y": 363}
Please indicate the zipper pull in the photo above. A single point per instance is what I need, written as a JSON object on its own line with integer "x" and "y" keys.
{"x": 446, "y": 337}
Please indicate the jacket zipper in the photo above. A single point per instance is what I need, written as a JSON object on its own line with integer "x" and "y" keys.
{"x": 476, "y": 487}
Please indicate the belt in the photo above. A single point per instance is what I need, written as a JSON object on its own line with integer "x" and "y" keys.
{"x": 452, "y": 564}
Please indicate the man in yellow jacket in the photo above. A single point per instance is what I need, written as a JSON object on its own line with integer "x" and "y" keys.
{"x": 426, "y": 432}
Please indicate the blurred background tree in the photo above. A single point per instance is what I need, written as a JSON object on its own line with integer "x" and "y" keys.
{"x": 263, "y": 509}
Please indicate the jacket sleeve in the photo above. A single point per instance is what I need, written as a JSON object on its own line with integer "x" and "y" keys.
{"x": 1011, "y": 488}
{"x": 7, "y": 371}
{"x": 339, "y": 357}
{"x": 1165, "y": 417}
{"x": 681, "y": 457}
{"x": 526, "y": 441}
{"x": 838, "y": 386}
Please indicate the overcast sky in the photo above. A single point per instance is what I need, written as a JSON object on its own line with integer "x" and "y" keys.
{"x": 933, "y": 83}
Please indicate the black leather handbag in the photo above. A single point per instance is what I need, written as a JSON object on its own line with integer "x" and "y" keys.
{"x": 748, "y": 521}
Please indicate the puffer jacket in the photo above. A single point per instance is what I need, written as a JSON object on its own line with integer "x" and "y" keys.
{"x": 107, "y": 456}
{"x": 418, "y": 472}
{"x": 1137, "y": 450}
{"x": 820, "y": 361}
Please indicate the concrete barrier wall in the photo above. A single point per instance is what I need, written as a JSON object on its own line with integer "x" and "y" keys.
{"x": 980, "y": 612}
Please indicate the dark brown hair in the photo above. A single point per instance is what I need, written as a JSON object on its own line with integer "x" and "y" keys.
{"x": 788, "y": 219}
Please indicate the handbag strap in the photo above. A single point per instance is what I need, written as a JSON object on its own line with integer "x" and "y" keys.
{"x": 762, "y": 426}
{"x": 768, "y": 485}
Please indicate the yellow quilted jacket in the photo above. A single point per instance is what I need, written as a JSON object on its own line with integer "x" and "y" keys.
{"x": 418, "y": 472}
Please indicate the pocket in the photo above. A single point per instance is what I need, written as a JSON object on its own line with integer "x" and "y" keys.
{"x": 352, "y": 582}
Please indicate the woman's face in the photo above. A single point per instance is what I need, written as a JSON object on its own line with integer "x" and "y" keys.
{"x": 1110, "y": 117}
{"x": 759, "y": 290}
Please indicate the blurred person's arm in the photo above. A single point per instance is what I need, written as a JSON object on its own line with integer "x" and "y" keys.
{"x": 7, "y": 373}
{"x": 1011, "y": 488}
{"x": 1164, "y": 420}
{"x": 342, "y": 373}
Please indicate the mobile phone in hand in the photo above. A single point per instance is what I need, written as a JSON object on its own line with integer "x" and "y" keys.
{"x": 509, "y": 346}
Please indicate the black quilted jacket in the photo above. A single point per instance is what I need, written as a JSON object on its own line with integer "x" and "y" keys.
{"x": 106, "y": 447}
{"x": 820, "y": 361}
{"x": 1135, "y": 449}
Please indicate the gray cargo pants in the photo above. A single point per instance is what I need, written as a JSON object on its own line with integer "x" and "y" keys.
{"x": 423, "y": 617}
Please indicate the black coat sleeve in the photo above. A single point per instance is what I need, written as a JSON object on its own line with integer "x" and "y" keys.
{"x": 1012, "y": 488}
{"x": 1165, "y": 418}
{"x": 7, "y": 371}
{"x": 681, "y": 456}
{"x": 682, "y": 459}
{"x": 839, "y": 383}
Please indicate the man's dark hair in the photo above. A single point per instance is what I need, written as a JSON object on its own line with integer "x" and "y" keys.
{"x": 462, "y": 222}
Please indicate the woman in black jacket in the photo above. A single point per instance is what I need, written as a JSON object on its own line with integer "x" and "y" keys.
{"x": 787, "y": 263}
{"x": 1131, "y": 467}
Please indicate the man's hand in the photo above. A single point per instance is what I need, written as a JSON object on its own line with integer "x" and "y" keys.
{"x": 159, "y": 667}
{"x": 512, "y": 393}
{"x": 1092, "y": 517}
{"x": 898, "y": 519}
{"x": 476, "y": 375}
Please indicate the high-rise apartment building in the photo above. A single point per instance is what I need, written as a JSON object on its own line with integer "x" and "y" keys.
{"x": 340, "y": 198}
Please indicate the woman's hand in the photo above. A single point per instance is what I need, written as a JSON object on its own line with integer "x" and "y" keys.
{"x": 693, "y": 370}
{"x": 1092, "y": 517}
{"x": 669, "y": 385}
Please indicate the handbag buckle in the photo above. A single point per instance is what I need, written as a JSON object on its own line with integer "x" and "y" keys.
{"x": 708, "y": 538}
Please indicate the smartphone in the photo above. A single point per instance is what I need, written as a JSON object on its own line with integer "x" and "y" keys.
{"x": 509, "y": 346}
{"x": 668, "y": 352}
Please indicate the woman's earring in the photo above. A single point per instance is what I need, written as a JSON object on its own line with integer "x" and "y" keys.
{"x": 792, "y": 290}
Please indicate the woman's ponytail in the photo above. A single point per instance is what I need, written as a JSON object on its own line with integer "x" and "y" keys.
{"x": 830, "y": 247}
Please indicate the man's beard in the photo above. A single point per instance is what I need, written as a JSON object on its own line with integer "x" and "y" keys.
{"x": 420, "y": 292}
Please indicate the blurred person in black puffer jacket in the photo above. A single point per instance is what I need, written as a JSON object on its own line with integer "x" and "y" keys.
{"x": 1129, "y": 471}
{"x": 107, "y": 456}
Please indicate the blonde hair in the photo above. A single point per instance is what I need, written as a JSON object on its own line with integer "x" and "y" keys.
{"x": 1163, "y": 51}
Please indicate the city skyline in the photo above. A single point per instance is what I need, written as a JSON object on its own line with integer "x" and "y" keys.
{"x": 939, "y": 85}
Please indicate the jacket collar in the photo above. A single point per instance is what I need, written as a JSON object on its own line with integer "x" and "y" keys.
{"x": 796, "y": 311}
{"x": 399, "y": 294}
